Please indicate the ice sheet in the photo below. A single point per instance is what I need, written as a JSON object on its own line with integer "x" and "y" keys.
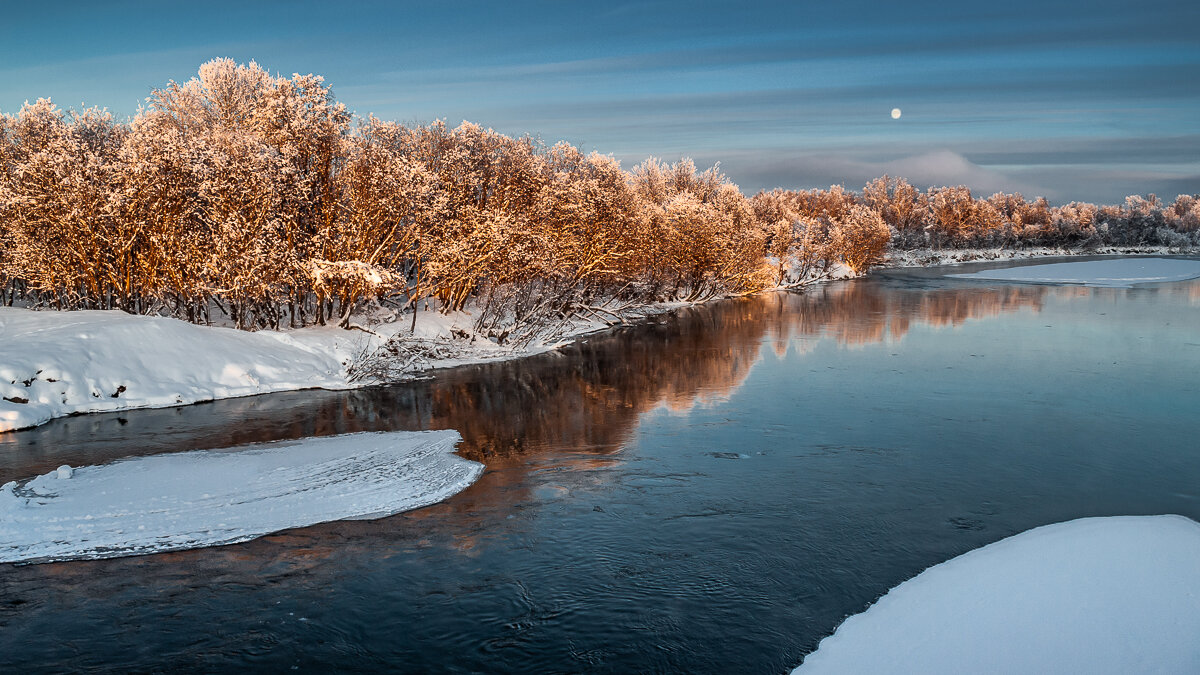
{"x": 207, "y": 498}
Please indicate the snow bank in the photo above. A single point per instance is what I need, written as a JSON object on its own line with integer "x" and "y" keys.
{"x": 1122, "y": 273}
{"x": 60, "y": 363}
{"x": 1096, "y": 595}
{"x": 925, "y": 257}
{"x": 213, "y": 497}
{"x": 54, "y": 364}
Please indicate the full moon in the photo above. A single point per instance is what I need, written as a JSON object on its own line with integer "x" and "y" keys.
{"x": 895, "y": 113}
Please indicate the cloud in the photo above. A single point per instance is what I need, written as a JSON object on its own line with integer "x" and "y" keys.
{"x": 1101, "y": 183}
{"x": 944, "y": 167}
{"x": 768, "y": 169}
{"x": 1110, "y": 185}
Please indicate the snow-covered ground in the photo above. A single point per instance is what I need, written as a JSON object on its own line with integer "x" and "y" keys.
{"x": 925, "y": 257}
{"x": 1095, "y": 595}
{"x": 54, "y": 364}
{"x": 207, "y": 498}
{"x": 1118, "y": 273}
{"x": 59, "y": 363}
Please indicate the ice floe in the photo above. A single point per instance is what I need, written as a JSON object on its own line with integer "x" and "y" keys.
{"x": 212, "y": 497}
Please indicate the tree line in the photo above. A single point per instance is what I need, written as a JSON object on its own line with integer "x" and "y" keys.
{"x": 951, "y": 217}
{"x": 262, "y": 198}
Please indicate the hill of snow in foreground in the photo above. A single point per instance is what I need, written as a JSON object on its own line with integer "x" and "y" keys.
{"x": 1095, "y": 595}
{"x": 212, "y": 497}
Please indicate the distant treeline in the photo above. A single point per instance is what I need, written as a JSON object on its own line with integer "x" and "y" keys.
{"x": 261, "y": 197}
{"x": 950, "y": 217}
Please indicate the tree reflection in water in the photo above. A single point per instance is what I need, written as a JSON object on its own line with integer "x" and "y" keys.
{"x": 568, "y": 410}
{"x": 566, "y": 535}
{"x": 586, "y": 396}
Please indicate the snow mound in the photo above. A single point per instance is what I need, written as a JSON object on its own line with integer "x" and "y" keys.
{"x": 1122, "y": 273}
{"x": 1095, "y": 595}
{"x": 60, "y": 363}
{"x": 213, "y": 497}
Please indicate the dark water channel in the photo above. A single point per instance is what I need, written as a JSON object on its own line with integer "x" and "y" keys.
{"x": 712, "y": 492}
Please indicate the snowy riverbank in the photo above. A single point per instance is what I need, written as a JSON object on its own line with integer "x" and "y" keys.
{"x": 54, "y": 364}
{"x": 1095, "y": 595}
{"x": 1113, "y": 273}
{"x": 927, "y": 257}
{"x": 207, "y": 498}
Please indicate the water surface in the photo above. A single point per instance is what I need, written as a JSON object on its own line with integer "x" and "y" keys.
{"x": 711, "y": 492}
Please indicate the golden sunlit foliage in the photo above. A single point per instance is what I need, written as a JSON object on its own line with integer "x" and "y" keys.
{"x": 260, "y": 197}
{"x": 951, "y": 217}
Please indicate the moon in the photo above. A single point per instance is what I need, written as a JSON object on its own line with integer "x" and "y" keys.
{"x": 895, "y": 113}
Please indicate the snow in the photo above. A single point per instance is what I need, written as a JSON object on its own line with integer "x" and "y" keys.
{"x": 213, "y": 497}
{"x": 1120, "y": 273}
{"x": 60, "y": 363}
{"x": 54, "y": 364}
{"x": 925, "y": 257}
{"x": 1095, "y": 595}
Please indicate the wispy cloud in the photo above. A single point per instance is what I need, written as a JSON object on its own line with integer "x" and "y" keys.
{"x": 757, "y": 170}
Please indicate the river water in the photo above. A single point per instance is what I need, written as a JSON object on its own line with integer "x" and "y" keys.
{"x": 713, "y": 491}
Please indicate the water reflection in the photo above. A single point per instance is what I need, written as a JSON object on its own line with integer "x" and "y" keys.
{"x": 857, "y": 314}
{"x": 666, "y": 497}
{"x": 564, "y": 413}
{"x": 586, "y": 396}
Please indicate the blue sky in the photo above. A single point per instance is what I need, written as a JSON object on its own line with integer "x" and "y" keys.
{"x": 1087, "y": 101}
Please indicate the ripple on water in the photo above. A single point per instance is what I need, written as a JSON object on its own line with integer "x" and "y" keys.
{"x": 604, "y": 537}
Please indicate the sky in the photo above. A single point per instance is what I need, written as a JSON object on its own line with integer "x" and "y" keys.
{"x": 1072, "y": 101}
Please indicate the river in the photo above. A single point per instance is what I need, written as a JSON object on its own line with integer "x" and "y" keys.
{"x": 712, "y": 491}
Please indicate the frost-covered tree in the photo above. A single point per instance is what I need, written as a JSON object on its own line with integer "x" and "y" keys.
{"x": 61, "y": 204}
{"x": 903, "y": 207}
{"x": 1184, "y": 214}
{"x": 387, "y": 201}
{"x": 860, "y": 238}
{"x": 259, "y": 196}
{"x": 8, "y": 285}
{"x": 709, "y": 239}
{"x": 952, "y": 215}
{"x": 261, "y": 155}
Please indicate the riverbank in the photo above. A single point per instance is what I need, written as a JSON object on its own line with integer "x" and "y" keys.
{"x": 57, "y": 364}
{"x": 929, "y": 257}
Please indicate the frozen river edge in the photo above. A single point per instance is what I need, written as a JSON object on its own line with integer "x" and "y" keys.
{"x": 56, "y": 364}
{"x": 1118, "y": 273}
{"x": 206, "y": 498}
